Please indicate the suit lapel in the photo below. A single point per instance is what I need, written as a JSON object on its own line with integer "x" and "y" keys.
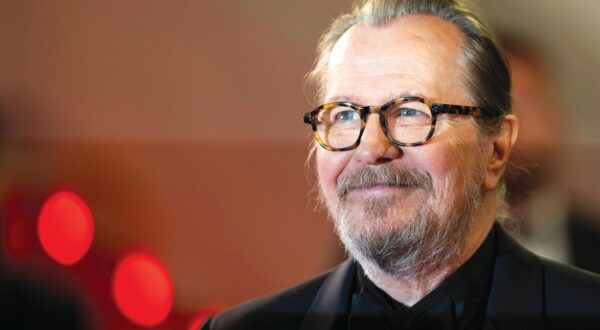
{"x": 331, "y": 302}
{"x": 516, "y": 295}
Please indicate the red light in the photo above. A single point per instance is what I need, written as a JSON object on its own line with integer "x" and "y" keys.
{"x": 65, "y": 227}
{"x": 142, "y": 289}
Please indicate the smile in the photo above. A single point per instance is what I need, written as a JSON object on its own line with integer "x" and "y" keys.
{"x": 380, "y": 189}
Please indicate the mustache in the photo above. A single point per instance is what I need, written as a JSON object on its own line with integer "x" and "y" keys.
{"x": 386, "y": 174}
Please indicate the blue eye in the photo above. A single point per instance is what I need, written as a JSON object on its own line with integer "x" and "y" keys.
{"x": 407, "y": 112}
{"x": 347, "y": 115}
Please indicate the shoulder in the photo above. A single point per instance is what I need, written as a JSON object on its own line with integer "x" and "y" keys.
{"x": 541, "y": 286}
{"x": 570, "y": 291}
{"x": 285, "y": 309}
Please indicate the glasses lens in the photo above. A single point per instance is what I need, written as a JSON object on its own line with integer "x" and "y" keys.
{"x": 338, "y": 126}
{"x": 408, "y": 121}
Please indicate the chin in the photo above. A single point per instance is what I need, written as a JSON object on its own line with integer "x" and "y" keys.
{"x": 400, "y": 245}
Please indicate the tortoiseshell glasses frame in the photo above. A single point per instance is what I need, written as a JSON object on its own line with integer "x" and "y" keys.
{"x": 313, "y": 118}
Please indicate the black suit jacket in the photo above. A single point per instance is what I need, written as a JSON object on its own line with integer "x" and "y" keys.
{"x": 584, "y": 240}
{"x": 527, "y": 293}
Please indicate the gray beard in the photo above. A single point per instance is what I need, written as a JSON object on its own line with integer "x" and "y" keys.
{"x": 419, "y": 246}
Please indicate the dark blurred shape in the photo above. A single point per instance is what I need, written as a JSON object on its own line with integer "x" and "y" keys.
{"x": 25, "y": 304}
{"x": 548, "y": 221}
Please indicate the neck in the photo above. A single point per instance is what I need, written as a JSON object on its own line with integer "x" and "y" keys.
{"x": 410, "y": 290}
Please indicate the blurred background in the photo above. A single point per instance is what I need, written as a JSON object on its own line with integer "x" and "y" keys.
{"x": 171, "y": 132}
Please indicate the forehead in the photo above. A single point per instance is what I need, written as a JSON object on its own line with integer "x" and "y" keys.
{"x": 415, "y": 54}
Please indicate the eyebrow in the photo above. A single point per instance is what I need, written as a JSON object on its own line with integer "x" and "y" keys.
{"x": 352, "y": 98}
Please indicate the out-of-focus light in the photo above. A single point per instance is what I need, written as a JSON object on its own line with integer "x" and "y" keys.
{"x": 202, "y": 316}
{"x": 65, "y": 227}
{"x": 20, "y": 236}
{"x": 142, "y": 289}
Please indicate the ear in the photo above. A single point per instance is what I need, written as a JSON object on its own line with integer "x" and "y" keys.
{"x": 502, "y": 145}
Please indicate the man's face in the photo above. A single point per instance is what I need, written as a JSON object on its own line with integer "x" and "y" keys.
{"x": 419, "y": 56}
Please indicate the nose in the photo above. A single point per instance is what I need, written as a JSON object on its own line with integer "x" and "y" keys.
{"x": 375, "y": 147}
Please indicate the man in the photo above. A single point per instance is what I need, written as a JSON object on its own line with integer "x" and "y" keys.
{"x": 415, "y": 132}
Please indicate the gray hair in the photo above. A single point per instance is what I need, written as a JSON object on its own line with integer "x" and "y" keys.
{"x": 487, "y": 77}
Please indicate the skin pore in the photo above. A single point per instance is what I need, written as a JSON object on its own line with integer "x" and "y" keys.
{"x": 413, "y": 55}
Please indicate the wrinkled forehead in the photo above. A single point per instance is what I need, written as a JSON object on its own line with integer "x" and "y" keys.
{"x": 423, "y": 49}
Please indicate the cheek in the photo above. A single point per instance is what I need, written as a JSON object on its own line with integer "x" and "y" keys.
{"x": 329, "y": 166}
{"x": 450, "y": 161}
{"x": 438, "y": 163}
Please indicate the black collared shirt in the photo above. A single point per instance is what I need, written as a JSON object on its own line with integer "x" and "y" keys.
{"x": 459, "y": 302}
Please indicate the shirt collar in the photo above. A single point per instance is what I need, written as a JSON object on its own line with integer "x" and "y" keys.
{"x": 468, "y": 286}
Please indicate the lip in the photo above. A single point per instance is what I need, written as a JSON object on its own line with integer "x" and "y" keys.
{"x": 378, "y": 189}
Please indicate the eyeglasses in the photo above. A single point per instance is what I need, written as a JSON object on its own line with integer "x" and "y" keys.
{"x": 407, "y": 121}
